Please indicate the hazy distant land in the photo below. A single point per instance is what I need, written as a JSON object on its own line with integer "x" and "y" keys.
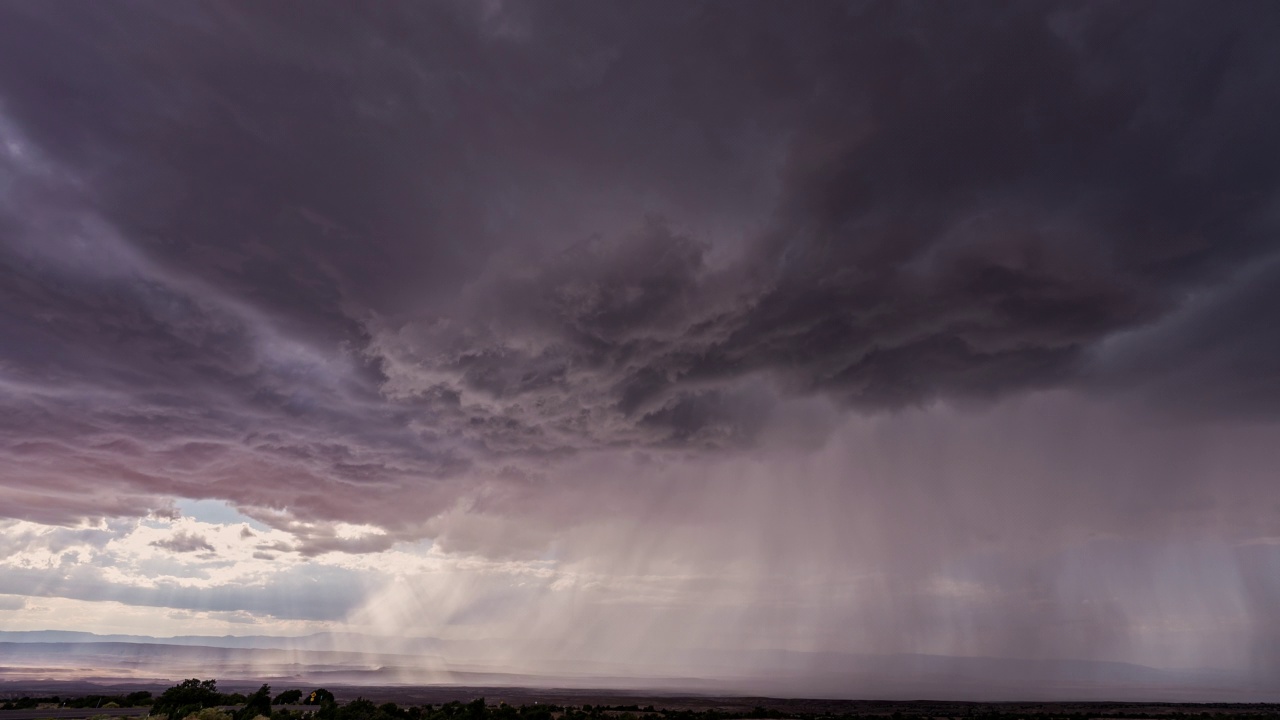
{"x": 43, "y": 661}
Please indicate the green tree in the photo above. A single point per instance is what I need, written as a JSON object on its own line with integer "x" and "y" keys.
{"x": 288, "y": 697}
{"x": 358, "y": 709}
{"x": 187, "y": 697}
{"x": 256, "y": 704}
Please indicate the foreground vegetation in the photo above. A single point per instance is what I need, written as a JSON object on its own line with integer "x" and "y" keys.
{"x": 196, "y": 699}
{"x": 137, "y": 699}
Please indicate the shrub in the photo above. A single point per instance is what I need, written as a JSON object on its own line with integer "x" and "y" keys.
{"x": 209, "y": 714}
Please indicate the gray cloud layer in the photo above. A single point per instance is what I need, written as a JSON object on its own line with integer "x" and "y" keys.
{"x": 486, "y": 273}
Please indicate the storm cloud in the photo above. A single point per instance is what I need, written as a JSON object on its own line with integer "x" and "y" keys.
{"x": 728, "y": 296}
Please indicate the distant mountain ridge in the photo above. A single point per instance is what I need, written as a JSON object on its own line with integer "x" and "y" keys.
{"x": 355, "y": 658}
{"x": 313, "y": 641}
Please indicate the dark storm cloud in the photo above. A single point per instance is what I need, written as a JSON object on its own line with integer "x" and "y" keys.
{"x": 969, "y": 203}
{"x": 318, "y": 259}
{"x": 1227, "y": 353}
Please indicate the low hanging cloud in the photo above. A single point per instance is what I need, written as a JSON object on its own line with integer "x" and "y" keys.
{"x": 182, "y": 564}
{"x": 183, "y": 542}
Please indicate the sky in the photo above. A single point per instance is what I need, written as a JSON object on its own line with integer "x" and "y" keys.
{"x": 629, "y": 332}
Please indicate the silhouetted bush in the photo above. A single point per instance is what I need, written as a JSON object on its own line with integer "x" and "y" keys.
{"x": 187, "y": 697}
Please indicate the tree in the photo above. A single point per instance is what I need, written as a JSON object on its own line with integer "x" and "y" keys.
{"x": 359, "y": 709}
{"x": 187, "y": 697}
{"x": 256, "y": 704}
{"x": 288, "y": 697}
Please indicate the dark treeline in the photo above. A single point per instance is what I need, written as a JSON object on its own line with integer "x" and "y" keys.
{"x": 136, "y": 699}
{"x": 196, "y": 699}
